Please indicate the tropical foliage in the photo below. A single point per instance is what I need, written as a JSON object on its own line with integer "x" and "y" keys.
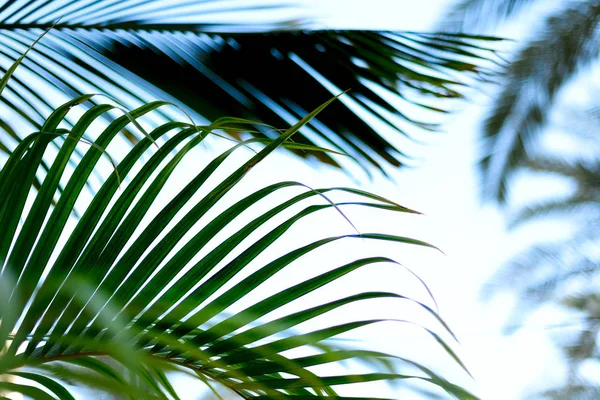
{"x": 562, "y": 46}
{"x": 563, "y": 272}
{"x": 214, "y": 58}
{"x": 115, "y": 278}
{"x": 554, "y": 266}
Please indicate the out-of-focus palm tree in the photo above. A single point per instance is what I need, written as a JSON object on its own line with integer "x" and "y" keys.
{"x": 565, "y": 272}
{"x": 566, "y": 42}
{"x": 233, "y": 57}
{"x": 540, "y": 273}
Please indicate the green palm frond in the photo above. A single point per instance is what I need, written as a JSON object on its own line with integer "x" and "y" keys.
{"x": 151, "y": 291}
{"x": 189, "y": 53}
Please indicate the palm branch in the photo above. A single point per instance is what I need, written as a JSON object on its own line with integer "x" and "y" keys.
{"x": 151, "y": 290}
{"x": 481, "y": 15}
{"x": 583, "y": 199}
{"x": 544, "y": 271}
{"x": 580, "y": 391}
{"x": 187, "y": 52}
{"x": 532, "y": 82}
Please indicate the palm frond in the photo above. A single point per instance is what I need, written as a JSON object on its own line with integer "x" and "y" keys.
{"x": 140, "y": 50}
{"x": 580, "y": 391}
{"x": 533, "y": 80}
{"x": 480, "y": 15}
{"x": 585, "y": 175}
{"x": 583, "y": 346}
{"x": 109, "y": 285}
{"x": 580, "y": 203}
{"x": 546, "y": 272}
{"x": 548, "y": 259}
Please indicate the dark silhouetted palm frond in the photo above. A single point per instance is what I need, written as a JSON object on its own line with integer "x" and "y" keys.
{"x": 192, "y": 53}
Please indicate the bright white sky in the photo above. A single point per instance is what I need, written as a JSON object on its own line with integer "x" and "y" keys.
{"x": 381, "y": 14}
{"x": 444, "y": 187}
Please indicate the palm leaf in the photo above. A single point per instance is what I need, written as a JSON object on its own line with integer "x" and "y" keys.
{"x": 139, "y": 50}
{"x": 578, "y": 390}
{"x": 564, "y": 45}
{"x": 481, "y": 15}
{"x": 547, "y": 271}
{"x": 108, "y": 284}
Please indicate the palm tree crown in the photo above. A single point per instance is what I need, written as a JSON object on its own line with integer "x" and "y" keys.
{"x": 565, "y": 43}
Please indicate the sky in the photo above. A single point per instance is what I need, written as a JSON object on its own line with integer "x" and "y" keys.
{"x": 381, "y": 14}
{"x": 472, "y": 236}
